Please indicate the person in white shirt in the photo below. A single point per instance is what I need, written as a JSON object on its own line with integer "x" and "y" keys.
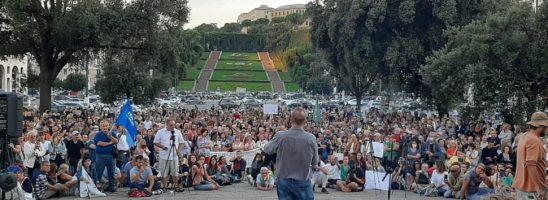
{"x": 262, "y": 142}
{"x": 169, "y": 157}
{"x": 32, "y": 151}
{"x": 123, "y": 146}
{"x": 320, "y": 176}
{"x": 334, "y": 171}
{"x": 505, "y": 134}
{"x": 438, "y": 178}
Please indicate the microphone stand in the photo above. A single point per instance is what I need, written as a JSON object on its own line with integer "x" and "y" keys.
{"x": 172, "y": 153}
{"x": 389, "y": 170}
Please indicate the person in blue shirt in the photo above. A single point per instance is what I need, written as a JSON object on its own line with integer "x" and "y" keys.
{"x": 104, "y": 142}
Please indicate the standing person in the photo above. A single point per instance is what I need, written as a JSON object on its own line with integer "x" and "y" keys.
{"x": 169, "y": 158}
{"x": 32, "y": 152}
{"x": 531, "y": 160}
{"x": 297, "y": 152}
{"x": 75, "y": 150}
{"x": 104, "y": 142}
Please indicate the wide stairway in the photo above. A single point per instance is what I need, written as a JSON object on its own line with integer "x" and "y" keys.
{"x": 207, "y": 71}
{"x": 273, "y": 76}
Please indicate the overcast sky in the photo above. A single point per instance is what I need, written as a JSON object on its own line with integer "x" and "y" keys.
{"x": 223, "y": 11}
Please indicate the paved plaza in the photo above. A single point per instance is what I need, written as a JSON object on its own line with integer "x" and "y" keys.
{"x": 243, "y": 191}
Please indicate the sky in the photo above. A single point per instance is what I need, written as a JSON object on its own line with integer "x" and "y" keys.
{"x": 226, "y": 11}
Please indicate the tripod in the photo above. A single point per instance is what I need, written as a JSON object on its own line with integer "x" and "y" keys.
{"x": 389, "y": 169}
{"x": 171, "y": 153}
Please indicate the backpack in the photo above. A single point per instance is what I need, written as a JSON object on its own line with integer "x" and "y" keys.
{"x": 138, "y": 194}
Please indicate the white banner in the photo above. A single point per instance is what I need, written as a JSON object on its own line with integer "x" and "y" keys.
{"x": 270, "y": 109}
{"x": 248, "y": 156}
{"x": 373, "y": 181}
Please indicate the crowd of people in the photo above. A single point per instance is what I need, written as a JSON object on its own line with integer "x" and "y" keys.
{"x": 82, "y": 152}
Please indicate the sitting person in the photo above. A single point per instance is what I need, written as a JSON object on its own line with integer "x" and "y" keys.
{"x": 200, "y": 179}
{"x": 355, "y": 179}
{"x": 125, "y": 171}
{"x": 24, "y": 185}
{"x": 141, "y": 177}
{"x": 84, "y": 174}
{"x": 460, "y": 158}
{"x": 238, "y": 167}
{"x": 454, "y": 182}
{"x": 64, "y": 178}
{"x": 42, "y": 188}
{"x": 217, "y": 172}
{"x": 265, "y": 180}
{"x": 319, "y": 176}
{"x": 104, "y": 177}
{"x": 184, "y": 171}
{"x": 334, "y": 171}
{"x": 472, "y": 180}
{"x": 255, "y": 169}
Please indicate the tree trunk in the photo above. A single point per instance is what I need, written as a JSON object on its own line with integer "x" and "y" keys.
{"x": 358, "y": 105}
{"x": 46, "y": 82}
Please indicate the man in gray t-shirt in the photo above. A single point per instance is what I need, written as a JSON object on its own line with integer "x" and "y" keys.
{"x": 141, "y": 176}
{"x": 296, "y": 154}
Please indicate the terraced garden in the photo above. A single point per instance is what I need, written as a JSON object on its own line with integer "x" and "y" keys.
{"x": 239, "y": 56}
{"x": 231, "y": 86}
{"x": 239, "y": 75}
{"x": 240, "y": 65}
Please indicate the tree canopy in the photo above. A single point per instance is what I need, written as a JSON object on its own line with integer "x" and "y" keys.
{"x": 59, "y": 32}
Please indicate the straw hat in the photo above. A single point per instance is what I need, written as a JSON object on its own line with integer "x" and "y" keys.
{"x": 538, "y": 119}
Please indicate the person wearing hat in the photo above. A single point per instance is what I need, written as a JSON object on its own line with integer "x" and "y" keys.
{"x": 75, "y": 150}
{"x": 531, "y": 160}
{"x": 22, "y": 186}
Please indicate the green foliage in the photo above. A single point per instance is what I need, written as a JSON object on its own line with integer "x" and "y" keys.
{"x": 231, "y": 28}
{"x": 234, "y": 42}
{"x": 33, "y": 80}
{"x": 206, "y": 28}
{"x": 239, "y": 75}
{"x": 186, "y": 85}
{"x": 285, "y": 76}
{"x": 231, "y": 86}
{"x": 501, "y": 59}
{"x": 292, "y": 87}
{"x": 120, "y": 78}
{"x": 67, "y": 31}
{"x": 75, "y": 82}
{"x": 193, "y": 73}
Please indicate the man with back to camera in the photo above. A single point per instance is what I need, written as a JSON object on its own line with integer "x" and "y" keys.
{"x": 296, "y": 152}
{"x": 531, "y": 161}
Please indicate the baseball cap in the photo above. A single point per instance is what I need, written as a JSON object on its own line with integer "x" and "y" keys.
{"x": 15, "y": 169}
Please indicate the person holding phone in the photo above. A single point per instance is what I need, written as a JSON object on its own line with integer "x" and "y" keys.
{"x": 439, "y": 177}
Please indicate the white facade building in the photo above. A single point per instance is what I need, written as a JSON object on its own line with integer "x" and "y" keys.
{"x": 13, "y": 73}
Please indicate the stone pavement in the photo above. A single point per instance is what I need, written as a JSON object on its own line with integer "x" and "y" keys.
{"x": 207, "y": 71}
{"x": 268, "y": 66}
{"x": 244, "y": 191}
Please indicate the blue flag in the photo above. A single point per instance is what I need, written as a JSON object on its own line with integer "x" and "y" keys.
{"x": 125, "y": 119}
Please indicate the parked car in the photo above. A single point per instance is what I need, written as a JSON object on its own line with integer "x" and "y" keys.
{"x": 228, "y": 103}
{"x": 57, "y": 107}
{"x": 253, "y": 103}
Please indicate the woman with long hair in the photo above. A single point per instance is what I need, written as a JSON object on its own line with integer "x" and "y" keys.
{"x": 249, "y": 143}
{"x": 438, "y": 178}
{"x": 201, "y": 179}
{"x": 238, "y": 143}
{"x": 57, "y": 150}
{"x": 353, "y": 146}
{"x": 84, "y": 174}
{"x": 258, "y": 162}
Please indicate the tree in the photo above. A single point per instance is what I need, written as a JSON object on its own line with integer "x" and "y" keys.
{"x": 75, "y": 82}
{"x": 351, "y": 36}
{"x": 231, "y": 28}
{"x": 261, "y": 21}
{"x": 501, "y": 59}
{"x": 120, "y": 79}
{"x": 206, "y": 28}
{"x": 59, "y": 32}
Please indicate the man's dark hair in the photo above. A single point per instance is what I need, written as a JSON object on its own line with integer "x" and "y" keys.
{"x": 139, "y": 157}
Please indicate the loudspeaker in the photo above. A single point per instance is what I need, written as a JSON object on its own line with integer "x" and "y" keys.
{"x": 11, "y": 115}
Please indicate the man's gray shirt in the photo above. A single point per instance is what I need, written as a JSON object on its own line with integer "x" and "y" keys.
{"x": 296, "y": 151}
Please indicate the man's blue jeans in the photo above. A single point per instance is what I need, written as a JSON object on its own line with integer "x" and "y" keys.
{"x": 289, "y": 189}
{"x": 106, "y": 160}
{"x": 144, "y": 186}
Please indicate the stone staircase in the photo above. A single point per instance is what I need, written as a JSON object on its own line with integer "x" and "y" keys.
{"x": 207, "y": 71}
{"x": 273, "y": 76}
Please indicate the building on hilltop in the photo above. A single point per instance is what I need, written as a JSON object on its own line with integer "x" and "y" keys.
{"x": 255, "y": 14}
{"x": 265, "y": 12}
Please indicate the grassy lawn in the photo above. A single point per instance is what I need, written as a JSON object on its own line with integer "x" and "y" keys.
{"x": 239, "y": 56}
{"x": 185, "y": 85}
{"x": 292, "y": 87}
{"x": 240, "y": 75}
{"x": 285, "y": 76}
{"x": 192, "y": 73}
{"x": 241, "y": 65}
{"x": 231, "y": 86}
{"x": 205, "y": 56}
{"x": 200, "y": 64}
